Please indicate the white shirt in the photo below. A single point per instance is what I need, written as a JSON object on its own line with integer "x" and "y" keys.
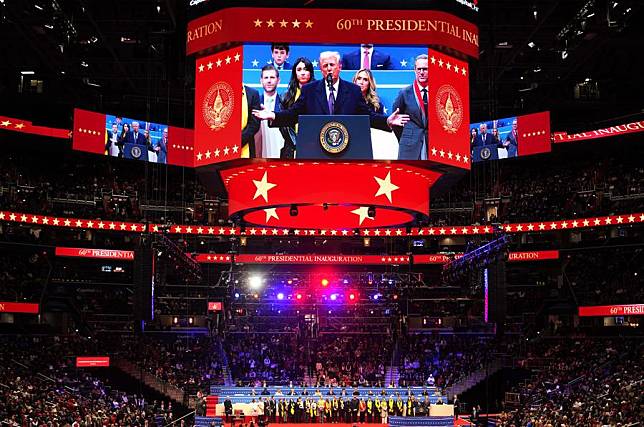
{"x": 271, "y": 139}
{"x": 335, "y": 90}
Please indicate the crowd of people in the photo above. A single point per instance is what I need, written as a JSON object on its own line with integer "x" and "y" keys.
{"x": 40, "y": 388}
{"x": 582, "y": 382}
{"x": 440, "y": 362}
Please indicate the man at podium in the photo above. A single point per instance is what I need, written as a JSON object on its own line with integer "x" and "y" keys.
{"x": 331, "y": 95}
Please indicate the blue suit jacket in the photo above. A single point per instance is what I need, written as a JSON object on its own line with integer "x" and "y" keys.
{"x": 414, "y": 133}
{"x": 513, "y": 148}
{"x": 313, "y": 100}
{"x": 140, "y": 138}
{"x": 379, "y": 60}
{"x": 479, "y": 141}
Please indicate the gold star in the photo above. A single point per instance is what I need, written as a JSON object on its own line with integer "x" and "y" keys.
{"x": 20, "y": 125}
{"x": 258, "y": 23}
{"x": 201, "y": 67}
{"x": 228, "y": 58}
{"x": 283, "y": 23}
{"x": 386, "y": 187}
{"x": 6, "y": 123}
{"x": 270, "y": 23}
{"x": 262, "y": 187}
{"x": 219, "y": 61}
{"x": 237, "y": 56}
{"x": 309, "y": 24}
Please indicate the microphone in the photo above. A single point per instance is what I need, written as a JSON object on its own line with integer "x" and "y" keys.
{"x": 329, "y": 79}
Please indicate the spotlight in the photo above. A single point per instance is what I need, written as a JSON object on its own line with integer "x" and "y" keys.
{"x": 325, "y": 282}
{"x": 334, "y": 297}
{"x": 298, "y": 296}
{"x": 191, "y": 320}
{"x": 280, "y": 296}
{"x": 377, "y": 296}
{"x": 175, "y": 320}
{"x": 371, "y": 212}
{"x": 236, "y": 295}
{"x": 352, "y": 296}
{"x": 293, "y": 210}
{"x": 255, "y": 282}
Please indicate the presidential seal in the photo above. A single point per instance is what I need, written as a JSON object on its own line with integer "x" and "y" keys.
{"x": 136, "y": 152}
{"x": 449, "y": 108}
{"x": 217, "y": 105}
{"x": 485, "y": 153}
{"x": 334, "y": 137}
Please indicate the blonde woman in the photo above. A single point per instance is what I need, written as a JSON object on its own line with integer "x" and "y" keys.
{"x": 364, "y": 79}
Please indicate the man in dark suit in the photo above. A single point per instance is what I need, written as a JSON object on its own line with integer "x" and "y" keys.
{"x": 483, "y": 138}
{"x": 331, "y": 95}
{"x": 511, "y": 142}
{"x": 136, "y": 136}
{"x": 413, "y": 101}
{"x": 228, "y": 408}
{"x": 162, "y": 148}
{"x": 367, "y": 57}
{"x": 279, "y": 55}
{"x": 250, "y": 125}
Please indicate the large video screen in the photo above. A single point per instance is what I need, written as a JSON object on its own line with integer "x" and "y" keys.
{"x": 135, "y": 139}
{"x": 510, "y": 137}
{"x": 276, "y": 74}
{"x": 131, "y": 138}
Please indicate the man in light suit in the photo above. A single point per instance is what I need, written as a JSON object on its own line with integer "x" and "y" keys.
{"x": 367, "y": 57}
{"x": 483, "y": 138}
{"x": 511, "y": 142}
{"x": 331, "y": 95}
{"x": 136, "y": 136}
{"x": 413, "y": 101}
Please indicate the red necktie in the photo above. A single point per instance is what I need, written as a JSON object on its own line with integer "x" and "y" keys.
{"x": 366, "y": 64}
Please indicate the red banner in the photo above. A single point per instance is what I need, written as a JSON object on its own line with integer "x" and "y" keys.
{"x": 215, "y": 306}
{"x": 18, "y": 307}
{"x": 93, "y": 362}
{"x": 624, "y": 129}
{"x": 322, "y": 259}
{"x": 612, "y": 310}
{"x": 533, "y": 256}
{"x": 449, "y": 110}
{"x": 95, "y": 253}
{"x": 534, "y": 133}
{"x": 385, "y": 27}
{"x": 89, "y": 131}
{"x": 218, "y": 108}
{"x": 181, "y": 150}
{"x": 25, "y": 126}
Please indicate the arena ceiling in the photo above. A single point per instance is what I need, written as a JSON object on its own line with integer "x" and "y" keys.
{"x": 577, "y": 58}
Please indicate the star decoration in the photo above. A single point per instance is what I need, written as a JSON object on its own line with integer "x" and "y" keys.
{"x": 21, "y": 125}
{"x": 456, "y": 68}
{"x": 433, "y": 60}
{"x": 309, "y": 23}
{"x": 201, "y": 67}
{"x": 237, "y": 56}
{"x": 434, "y": 151}
{"x": 463, "y": 71}
{"x": 210, "y": 65}
{"x": 6, "y": 123}
{"x": 217, "y": 151}
{"x": 440, "y": 63}
{"x": 219, "y": 61}
{"x": 403, "y": 63}
{"x": 314, "y": 63}
{"x": 228, "y": 59}
{"x": 283, "y": 23}
{"x": 235, "y": 148}
{"x": 270, "y": 23}
{"x": 208, "y": 153}
{"x": 296, "y": 24}
{"x": 271, "y": 213}
{"x": 199, "y": 156}
{"x": 226, "y": 151}
{"x": 362, "y": 213}
{"x": 263, "y": 187}
{"x": 258, "y": 23}
{"x": 385, "y": 187}
{"x": 449, "y": 66}
{"x": 255, "y": 62}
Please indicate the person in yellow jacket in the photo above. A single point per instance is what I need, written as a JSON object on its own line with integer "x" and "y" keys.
{"x": 370, "y": 410}
{"x": 391, "y": 405}
{"x": 376, "y": 409}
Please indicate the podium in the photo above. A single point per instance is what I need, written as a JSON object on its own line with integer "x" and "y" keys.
{"x": 135, "y": 151}
{"x": 481, "y": 153}
{"x": 334, "y": 137}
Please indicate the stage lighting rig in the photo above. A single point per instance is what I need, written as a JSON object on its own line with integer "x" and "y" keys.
{"x": 476, "y": 259}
